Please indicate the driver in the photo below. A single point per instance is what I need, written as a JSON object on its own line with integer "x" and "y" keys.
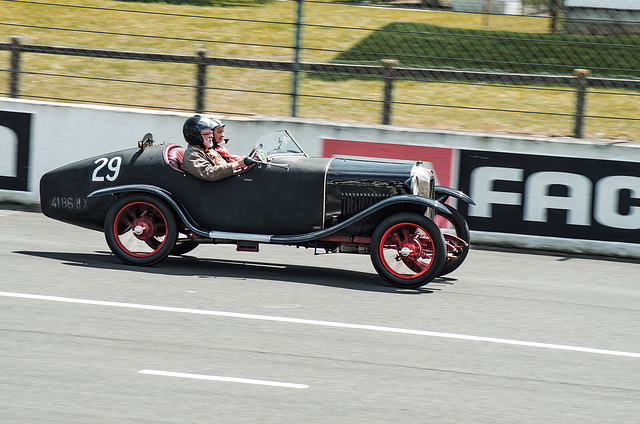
{"x": 206, "y": 157}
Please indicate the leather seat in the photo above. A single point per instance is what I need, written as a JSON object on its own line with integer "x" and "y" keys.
{"x": 172, "y": 155}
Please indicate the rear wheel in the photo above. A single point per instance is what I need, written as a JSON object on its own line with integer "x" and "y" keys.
{"x": 456, "y": 236}
{"x": 408, "y": 250}
{"x": 140, "y": 230}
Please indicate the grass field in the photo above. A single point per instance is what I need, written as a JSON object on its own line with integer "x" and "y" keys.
{"x": 227, "y": 31}
{"x": 433, "y": 46}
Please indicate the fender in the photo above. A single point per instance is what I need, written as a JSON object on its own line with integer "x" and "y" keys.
{"x": 443, "y": 192}
{"x": 402, "y": 198}
{"x": 161, "y": 193}
{"x": 266, "y": 238}
{"x": 301, "y": 238}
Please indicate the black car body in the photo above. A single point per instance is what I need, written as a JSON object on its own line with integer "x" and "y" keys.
{"x": 149, "y": 208}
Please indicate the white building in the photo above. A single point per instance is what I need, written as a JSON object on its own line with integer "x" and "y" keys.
{"x": 505, "y": 7}
{"x": 602, "y": 17}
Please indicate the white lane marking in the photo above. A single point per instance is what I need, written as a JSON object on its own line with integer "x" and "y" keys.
{"x": 322, "y": 323}
{"x": 227, "y": 379}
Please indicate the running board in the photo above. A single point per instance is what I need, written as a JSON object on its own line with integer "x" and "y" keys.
{"x": 260, "y": 238}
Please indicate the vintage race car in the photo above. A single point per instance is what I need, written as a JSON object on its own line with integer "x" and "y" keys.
{"x": 149, "y": 208}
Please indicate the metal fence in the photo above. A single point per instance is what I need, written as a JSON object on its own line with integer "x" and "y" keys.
{"x": 518, "y": 70}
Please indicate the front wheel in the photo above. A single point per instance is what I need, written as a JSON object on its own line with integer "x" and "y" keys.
{"x": 456, "y": 234}
{"x": 140, "y": 230}
{"x": 408, "y": 250}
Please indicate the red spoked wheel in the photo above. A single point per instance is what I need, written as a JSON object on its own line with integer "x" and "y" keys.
{"x": 408, "y": 250}
{"x": 456, "y": 236}
{"x": 140, "y": 230}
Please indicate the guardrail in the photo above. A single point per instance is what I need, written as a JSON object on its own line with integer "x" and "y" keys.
{"x": 387, "y": 71}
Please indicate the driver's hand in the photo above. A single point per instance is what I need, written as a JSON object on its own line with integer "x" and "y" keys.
{"x": 239, "y": 164}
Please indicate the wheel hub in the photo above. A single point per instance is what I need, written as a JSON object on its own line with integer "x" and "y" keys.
{"x": 405, "y": 251}
{"x": 411, "y": 248}
{"x": 144, "y": 228}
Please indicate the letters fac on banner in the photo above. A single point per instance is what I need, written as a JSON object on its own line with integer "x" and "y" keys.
{"x": 576, "y": 198}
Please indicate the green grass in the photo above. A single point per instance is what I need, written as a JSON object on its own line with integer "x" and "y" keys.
{"x": 219, "y": 29}
{"x": 432, "y": 46}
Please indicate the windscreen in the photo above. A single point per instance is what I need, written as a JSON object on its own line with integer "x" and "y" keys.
{"x": 279, "y": 143}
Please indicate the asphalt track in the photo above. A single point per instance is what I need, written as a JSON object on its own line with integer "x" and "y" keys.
{"x": 285, "y": 336}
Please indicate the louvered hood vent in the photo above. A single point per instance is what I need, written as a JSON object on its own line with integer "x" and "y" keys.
{"x": 352, "y": 203}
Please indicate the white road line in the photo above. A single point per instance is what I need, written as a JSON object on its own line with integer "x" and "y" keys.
{"x": 227, "y": 379}
{"x": 323, "y": 323}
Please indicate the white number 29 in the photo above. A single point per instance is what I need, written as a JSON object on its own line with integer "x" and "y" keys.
{"x": 112, "y": 165}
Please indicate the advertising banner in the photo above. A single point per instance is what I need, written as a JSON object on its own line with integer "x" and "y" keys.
{"x": 576, "y": 198}
{"x": 15, "y": 138}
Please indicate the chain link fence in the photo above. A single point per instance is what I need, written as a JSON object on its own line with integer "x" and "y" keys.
{"x": 548, "y": 67}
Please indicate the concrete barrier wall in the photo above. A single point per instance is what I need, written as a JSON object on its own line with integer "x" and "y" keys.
{"x": 544, "y": 193}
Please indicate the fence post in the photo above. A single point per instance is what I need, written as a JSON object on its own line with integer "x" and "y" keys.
{"x": 388, "y": 73}
{"x": 201, "y": 83}
{"x": 14, "y": 91}
{"x": 486, "y": 13}
{"x": 581, "y": 85}
{"x": 296, "y": 60}
{"x": 554, "y": 11}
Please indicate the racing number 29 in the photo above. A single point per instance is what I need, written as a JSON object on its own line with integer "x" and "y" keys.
{"x": 112, "y": 165}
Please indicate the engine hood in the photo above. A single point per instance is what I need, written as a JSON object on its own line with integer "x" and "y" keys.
{"x": 353, "y": 184}
{"x": 356, "y": 169}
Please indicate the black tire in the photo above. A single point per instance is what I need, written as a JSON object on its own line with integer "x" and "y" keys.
{"x": 457, "y": 226}
{"x": 183, "y": 247}
{"x": 140, "y": 230}
{"x": 408, "y": 250}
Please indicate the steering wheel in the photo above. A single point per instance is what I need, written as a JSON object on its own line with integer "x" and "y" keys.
{"x": 254, "y": 150}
